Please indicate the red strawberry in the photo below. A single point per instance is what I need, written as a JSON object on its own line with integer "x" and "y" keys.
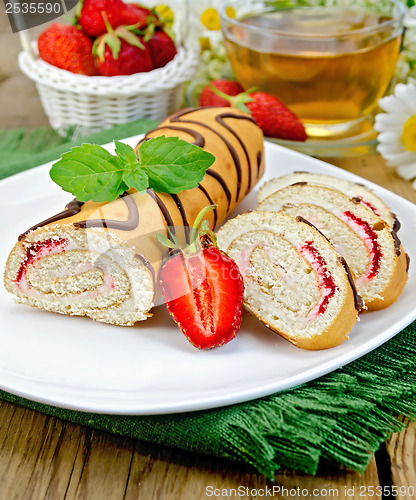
{"x": 66, "y": 47}
{"x": 229, "y": 87}
{"x": 203, "y": 292}
{"x": 270, "y": 114}
{"x": 120, "y": 52}
{"x": 118, "y": 13}
{"x": 274, "y": 118}
{"x": 162, "y": 48}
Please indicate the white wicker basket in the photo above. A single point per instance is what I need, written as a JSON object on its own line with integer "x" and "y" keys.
{"x": 94, "y": 103}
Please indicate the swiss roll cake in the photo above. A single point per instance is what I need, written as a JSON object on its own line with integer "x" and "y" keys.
{"x": 102, "y": 259}
{"x": 359, "y": 192}
{"x": 368, "y": 243}
{"x": 295, "y": 282}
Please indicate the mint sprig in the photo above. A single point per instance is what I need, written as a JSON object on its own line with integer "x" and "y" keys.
{"x": 165, "y": 164}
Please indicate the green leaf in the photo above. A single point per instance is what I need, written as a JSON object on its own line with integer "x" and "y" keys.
{"x": 89, "y": 172}
{"x": 165, "y": 241}
{"x": 129, "y": 37}
{"x": 137, "y": 179}
{"x": 126, "y": 154}
{"x": 168, "y": 165}
{"x": 172, "y": 164}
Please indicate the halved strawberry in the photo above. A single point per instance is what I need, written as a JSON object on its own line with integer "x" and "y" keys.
{"x": 203, "y": 290}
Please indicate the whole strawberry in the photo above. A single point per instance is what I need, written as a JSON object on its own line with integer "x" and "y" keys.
{"x": 274, "y": 118}
{"x": 121, "y": 52}
{"x": 162, "y": 48}
{"x": 89, "y": 15}
{"x": 66, "y": 47}
{"x": 203, "y": 291}
{"x": 270, "y": 114}
{"x": 229, "y": 87}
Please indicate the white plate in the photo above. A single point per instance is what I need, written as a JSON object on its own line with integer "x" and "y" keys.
{"x": 151, "y": 368}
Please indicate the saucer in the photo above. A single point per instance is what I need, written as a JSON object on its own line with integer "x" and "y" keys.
{"x": 363, "y": 142}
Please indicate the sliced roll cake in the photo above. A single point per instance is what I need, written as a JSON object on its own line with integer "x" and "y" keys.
{"x": 357, "y": 191}
{"x": 80, "y": 272}
{"x": 370, "y": 247}
{"x": 295, "y": 282}
{"x": 102, "y": 259}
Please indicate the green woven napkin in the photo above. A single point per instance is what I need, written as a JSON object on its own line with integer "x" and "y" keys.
{"x": 21, "y": 150}
{"x": 343, "y": 416}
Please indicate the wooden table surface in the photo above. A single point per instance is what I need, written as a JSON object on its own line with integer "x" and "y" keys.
{"x": 44, "y": 457}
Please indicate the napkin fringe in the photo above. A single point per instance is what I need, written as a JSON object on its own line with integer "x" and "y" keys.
{"x": 344, "y": 416}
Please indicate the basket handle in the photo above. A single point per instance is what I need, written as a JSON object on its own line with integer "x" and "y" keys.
{"x": 26, "y": 44}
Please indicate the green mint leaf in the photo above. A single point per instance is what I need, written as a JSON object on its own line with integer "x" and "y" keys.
{"x": 126, "y": 155}
{"x": 134, "y": 176}
{"x": 137, "y": 179}
{"x": 172, "y": 164}
{"x": 89, "y": 172}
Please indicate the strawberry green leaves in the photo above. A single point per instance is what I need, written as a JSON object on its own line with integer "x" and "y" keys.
{"x": 167, "y": 165}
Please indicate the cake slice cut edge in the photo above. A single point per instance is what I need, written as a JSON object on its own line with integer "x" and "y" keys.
{"x": 373, "y": 251}
{"x": 355, "y": 190}
{"x": 295, "y": 282}
{"x": 80, "y": 272}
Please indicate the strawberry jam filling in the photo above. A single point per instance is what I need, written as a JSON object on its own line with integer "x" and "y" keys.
{"x": 326, "y": 281}
{"x": 36, "y": 251}
{"x": 368, "y": 205}
{"x": 369, "y": 236}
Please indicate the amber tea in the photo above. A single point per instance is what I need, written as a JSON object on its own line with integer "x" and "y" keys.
{"x": 330, "y": 65}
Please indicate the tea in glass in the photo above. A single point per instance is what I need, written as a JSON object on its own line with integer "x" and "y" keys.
{"x": 330, "y": 65}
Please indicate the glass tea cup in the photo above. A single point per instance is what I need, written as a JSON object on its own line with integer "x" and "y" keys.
{"x": 329, "y": 64}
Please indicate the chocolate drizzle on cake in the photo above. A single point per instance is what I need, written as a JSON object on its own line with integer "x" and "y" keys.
{"x": 220, "y": 120}
{"x": 185, "y": 222}
{"x": 201, "y": 187}
{"x": 396, "y": 223}
{"x": 305, "y": 221}
{"x": 224, "y": 186}
{"x": 199, "y": 139}
{"x": 71, "y": 209}
{"x": 149, "y": 266}
{"x": 181, "y": 117}
{"x": 123, "y": 225}
{"x": 163, "y": 209}
{"x": 358, "y": 301}
{"x": 397, "y": 243}
{"x": 259, "y": 160}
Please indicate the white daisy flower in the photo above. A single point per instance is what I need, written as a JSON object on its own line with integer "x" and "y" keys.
{"x": 410, "y": 17}
{"x": 397, "y": 130}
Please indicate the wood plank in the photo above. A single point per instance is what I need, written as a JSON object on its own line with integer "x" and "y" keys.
{"x": 42, "y": 457}
{"x": 374, "y": 168}
{"x": 401, "y": 448}
{"x": 175, "y": 475}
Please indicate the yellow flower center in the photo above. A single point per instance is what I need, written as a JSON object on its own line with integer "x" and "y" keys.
{"x": 409, "y": 134}
{"x": 205, "y": 43}
{"x": 165, "y": 13}
{"x": 211, "y": 20}
{"x": 230, "y": 12}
